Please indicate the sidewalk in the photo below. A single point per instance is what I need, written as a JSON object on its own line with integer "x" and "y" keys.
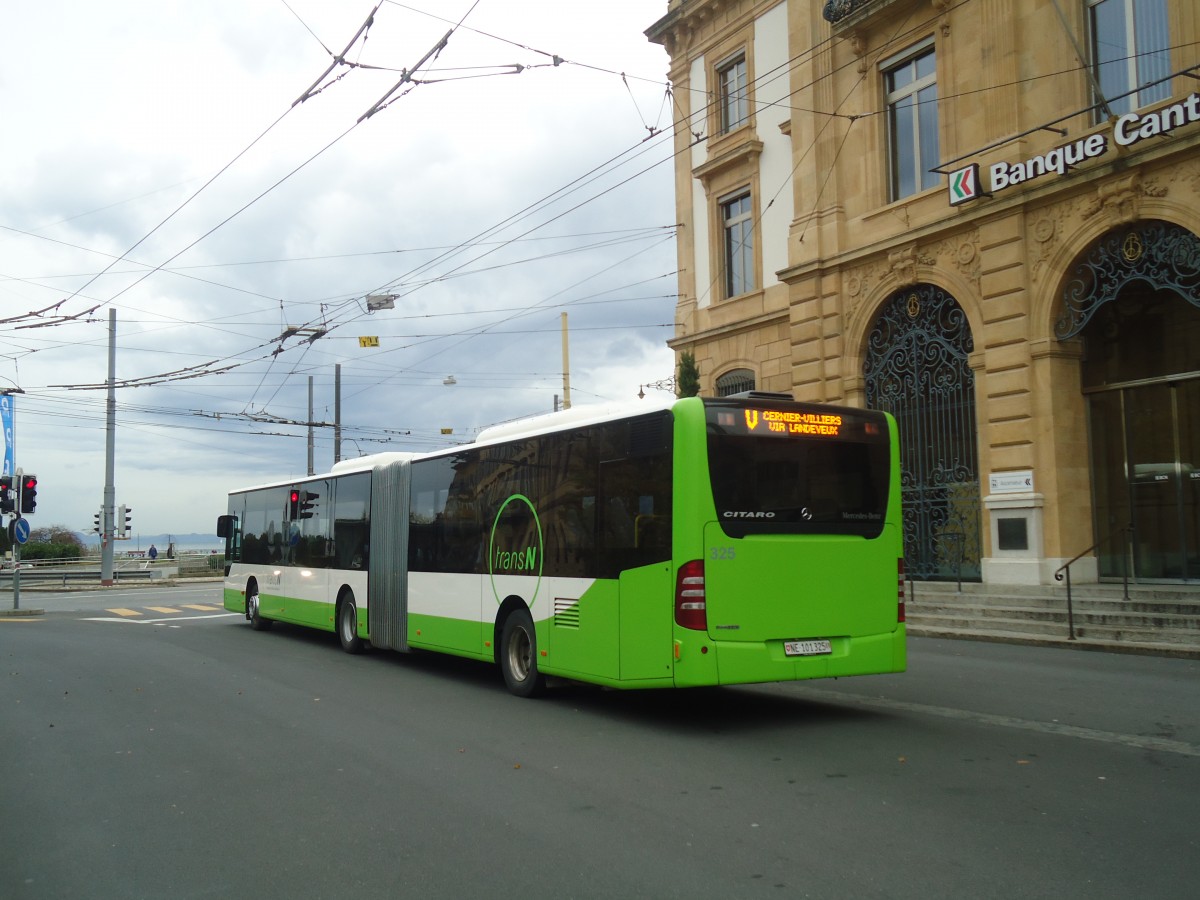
{"x": 6, "y": 610}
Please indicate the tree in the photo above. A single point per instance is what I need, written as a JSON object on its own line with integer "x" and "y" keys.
{"x": 52, "y": 542}
{"x": 56, "y": 534}
{"x": 689, "y": 375}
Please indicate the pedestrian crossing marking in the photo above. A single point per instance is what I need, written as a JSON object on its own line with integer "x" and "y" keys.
{"x": 165, "y": 610}
{"x": 174, "y": 613}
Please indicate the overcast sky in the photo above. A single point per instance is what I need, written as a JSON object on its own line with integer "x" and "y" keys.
{"x": 168, "y": 161}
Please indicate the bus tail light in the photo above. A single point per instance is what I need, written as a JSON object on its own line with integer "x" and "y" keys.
{"x": 900, "y": 589}
{"x": 690, "y": 609}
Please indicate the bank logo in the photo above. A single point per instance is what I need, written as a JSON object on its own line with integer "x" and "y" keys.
{"x": 964, "y": 184}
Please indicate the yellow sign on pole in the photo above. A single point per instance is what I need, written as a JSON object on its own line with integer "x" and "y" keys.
{"x": 368, "y": 342}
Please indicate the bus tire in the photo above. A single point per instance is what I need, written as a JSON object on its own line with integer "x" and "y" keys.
{"x": 257, "y": 622}
{"x": 347, "y": 624}
{"x": 518, "y": 655}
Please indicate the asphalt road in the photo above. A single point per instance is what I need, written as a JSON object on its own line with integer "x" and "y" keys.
{"x": 155, "y": 753}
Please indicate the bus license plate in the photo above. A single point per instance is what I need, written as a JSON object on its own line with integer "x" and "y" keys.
{"x": 806, "y": 648}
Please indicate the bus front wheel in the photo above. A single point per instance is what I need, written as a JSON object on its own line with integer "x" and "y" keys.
{"x": 347, "y": 625}
{"x": 518, "y": 655}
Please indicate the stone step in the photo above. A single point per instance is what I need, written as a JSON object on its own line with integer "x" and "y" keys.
{"x": 1056, "y": 625}
{"x": 1056, "y": 594}
{"x": 1160, "y": 615}
{"x": 1158, "y": 604}
{"x": 1162, "y": 619}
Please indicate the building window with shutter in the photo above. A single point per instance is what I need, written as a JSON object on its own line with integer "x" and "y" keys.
{"x": 1130, "y": 55}
{"x": 732, "y": 91}
{"x": 737, "y": 219}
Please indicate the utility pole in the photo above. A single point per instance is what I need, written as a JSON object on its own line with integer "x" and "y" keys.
{"x": 337, "y": 412}
{"x": 310, "y": 425}
{"x": 566, "y": 366}
{"x": 110, "y": 457}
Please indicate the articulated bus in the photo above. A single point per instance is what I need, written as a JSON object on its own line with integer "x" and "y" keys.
{"x": 698, "y": 542}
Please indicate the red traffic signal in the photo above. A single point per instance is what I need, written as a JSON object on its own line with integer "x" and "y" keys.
{"x": 28, "y": 493}
{"x": 301, "y": 503}
{"x": 7, "y": 504}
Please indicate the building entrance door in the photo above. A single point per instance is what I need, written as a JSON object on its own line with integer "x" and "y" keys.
{"x": 1146, "y": 459}
{"x": 1134, "y": 299}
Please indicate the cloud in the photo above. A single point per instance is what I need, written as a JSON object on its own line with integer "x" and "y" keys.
{"x": 489, "y": 205}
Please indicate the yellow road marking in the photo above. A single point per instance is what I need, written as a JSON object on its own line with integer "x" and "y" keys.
{"x": 163, "y": 609}
{"x": 125, "y": 612}
{"x": 202, "y": 607}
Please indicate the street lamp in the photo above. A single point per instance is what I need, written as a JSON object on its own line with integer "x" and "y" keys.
{"x": 665, "y": 384}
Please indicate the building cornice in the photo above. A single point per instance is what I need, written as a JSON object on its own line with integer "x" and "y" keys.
{"x": 744, "y": 153}
{"x": 683, "y": 341}
{"x": 687, "y": 19}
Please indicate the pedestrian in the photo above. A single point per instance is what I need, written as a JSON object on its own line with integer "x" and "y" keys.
{"x": 153, "y": 553}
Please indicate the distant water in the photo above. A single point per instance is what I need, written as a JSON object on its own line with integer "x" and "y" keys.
{"x": 184, "y": 543}
{"x": 190, "y": 548}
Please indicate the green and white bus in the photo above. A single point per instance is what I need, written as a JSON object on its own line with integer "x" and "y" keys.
{"x": 697, "y": 542}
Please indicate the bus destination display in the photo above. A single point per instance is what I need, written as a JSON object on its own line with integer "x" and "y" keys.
{"x": 781, "y": 423}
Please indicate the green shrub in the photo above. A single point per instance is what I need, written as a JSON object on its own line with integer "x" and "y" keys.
{"x": 43, "y": 550}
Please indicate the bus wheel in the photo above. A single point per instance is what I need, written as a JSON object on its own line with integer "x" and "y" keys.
{"x": 518, "y": 655}
{"x": 257, "y": 622}
{"x": 347, "y": 625}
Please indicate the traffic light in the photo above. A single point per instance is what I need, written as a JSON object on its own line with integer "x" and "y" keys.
{"x": 96, "y": 522}
{"x": 308, "y": 500}
{"x": 28, "y": 493}
{"x": 124, "y": 515}
{"x": 294, "y": 504}
{"x": 7, "y": 504}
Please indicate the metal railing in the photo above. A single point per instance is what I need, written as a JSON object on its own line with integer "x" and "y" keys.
{"x": 1065, "y": 570}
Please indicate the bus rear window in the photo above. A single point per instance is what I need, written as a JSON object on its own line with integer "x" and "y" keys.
{"x": 789, "y": 468}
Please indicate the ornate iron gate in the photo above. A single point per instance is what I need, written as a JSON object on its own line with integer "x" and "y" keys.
{"x": 916, "y": 369}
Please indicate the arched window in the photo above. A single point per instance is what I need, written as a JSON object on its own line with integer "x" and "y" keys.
{"x": 735, "y": 382}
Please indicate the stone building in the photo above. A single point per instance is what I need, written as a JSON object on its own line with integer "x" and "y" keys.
{"x": 981, "y": 216}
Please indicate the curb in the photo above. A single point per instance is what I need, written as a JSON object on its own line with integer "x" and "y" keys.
{"x": 1181, "y": 651}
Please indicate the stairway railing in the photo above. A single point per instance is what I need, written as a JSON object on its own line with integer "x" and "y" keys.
{"x": 1065, "y": 570}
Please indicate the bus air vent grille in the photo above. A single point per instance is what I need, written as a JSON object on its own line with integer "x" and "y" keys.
{"x": 566, "y": 612}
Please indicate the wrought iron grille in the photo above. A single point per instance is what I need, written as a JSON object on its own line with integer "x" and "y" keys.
{"x": 836, "y": 10}
{"x": 735, "y": 382}
{"x": 1158, "y": 253}
{"x": 916, "y": 368}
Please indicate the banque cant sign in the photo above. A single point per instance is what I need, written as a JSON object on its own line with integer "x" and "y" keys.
{"x": 964, "y": 184}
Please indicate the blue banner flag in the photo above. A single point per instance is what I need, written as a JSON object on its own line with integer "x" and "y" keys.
{"x": 9, "y": 445}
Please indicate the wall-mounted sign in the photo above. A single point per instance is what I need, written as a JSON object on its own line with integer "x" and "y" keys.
{"x": 964, "y": 184}
{"x": 1011, "y": 482}
{"x": 1127, "y": 130}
